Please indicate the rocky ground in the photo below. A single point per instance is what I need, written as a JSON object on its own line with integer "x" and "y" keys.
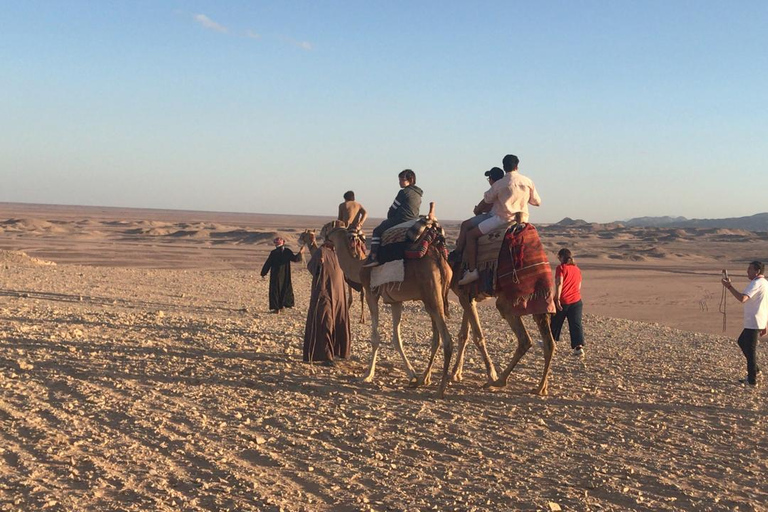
{"x": 143, "y": 389}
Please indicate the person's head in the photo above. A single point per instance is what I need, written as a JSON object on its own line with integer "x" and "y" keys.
{"x": 349, "y": 195}
{"x": 278, "y": 241}
{"x": 510, "y": 163}
{"x": 565, "y": 256}
{"x": 407, "y": 178}
{"x": 755, "y": 269}
{"x": 494, "y": 175}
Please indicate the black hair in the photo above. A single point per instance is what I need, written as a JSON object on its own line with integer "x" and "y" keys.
{"x": 349, "y": 196}
{"x": 758, "y": 265}
{"x": 566, "y": 255}
{"x": 510, "y": 163}
{"x": 408, "y": 175}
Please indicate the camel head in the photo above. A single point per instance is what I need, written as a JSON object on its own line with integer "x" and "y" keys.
{"x": 307, "y": 238}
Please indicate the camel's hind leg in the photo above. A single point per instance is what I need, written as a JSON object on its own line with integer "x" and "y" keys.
{"x": 373, "y": 306}
{"x": 456, "y": 376}
{"x": 397, "y": 313}
{"x": 471, "y": 318}
{"x": 523, "y": 341}
{"x": 542, "y": 321}
{"x": 426, "y": 377}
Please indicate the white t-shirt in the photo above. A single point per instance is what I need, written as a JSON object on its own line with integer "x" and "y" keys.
{"x": 756, "y": 308}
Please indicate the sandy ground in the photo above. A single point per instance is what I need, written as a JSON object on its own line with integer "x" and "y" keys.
{"x": 144, "y": 372}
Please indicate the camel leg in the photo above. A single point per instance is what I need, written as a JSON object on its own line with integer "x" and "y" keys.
{"x": 373, "y": 306}
{"x": 472, "y": 319}
{"x": 463, "y": 337}
{"x": 397, "y": 313}
{"x": 445, "y": 335}
{"x": 362, "y": 308}
{"x": 350, "y": 295}
{"x": 426, "y": 378}
{"x": 542, "y": 321}
{"x": 523, "y": 342}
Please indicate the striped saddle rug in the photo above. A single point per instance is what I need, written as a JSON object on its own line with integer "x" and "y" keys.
{"x": 523, "y": 273}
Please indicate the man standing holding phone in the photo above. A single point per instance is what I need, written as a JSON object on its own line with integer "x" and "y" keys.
{"x": 755, "y": 300}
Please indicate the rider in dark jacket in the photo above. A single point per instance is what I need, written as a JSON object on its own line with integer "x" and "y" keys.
{"x": 405, "y": 207}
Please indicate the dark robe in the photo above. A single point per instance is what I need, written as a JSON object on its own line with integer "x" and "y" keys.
{"x": 327, "y": 335}
{"x": 279, "y": 267}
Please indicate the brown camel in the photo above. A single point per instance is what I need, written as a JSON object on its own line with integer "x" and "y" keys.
{"x": 308, "y": 238}
{"x": 427, "y": 280}
{"x": 505, "y": 307}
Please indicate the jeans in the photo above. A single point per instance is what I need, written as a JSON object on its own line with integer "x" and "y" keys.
{"x": 748, "y": 345}
{"x": 573, "y": 313}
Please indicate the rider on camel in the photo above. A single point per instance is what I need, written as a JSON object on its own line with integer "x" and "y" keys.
{"x": 404, "y": 208}
{"x": 506, "y": 198}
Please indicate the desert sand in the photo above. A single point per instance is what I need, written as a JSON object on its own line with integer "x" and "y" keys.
{"x": 141, "y": 370}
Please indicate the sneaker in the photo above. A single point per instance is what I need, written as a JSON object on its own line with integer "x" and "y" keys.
{"x": 578, "y": 351}
{"x": 470, "y": 276}
{"x": 370, "y": 262}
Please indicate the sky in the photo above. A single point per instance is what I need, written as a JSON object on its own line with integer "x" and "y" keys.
{"x": 616, "y": 109}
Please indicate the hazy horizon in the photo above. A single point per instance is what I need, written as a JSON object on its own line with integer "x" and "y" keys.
{"x": 616, "y": 110}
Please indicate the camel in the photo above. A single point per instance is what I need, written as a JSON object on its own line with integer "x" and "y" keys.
{"x": 308, "y": 238}
{"x": 505, "y": 307}
{"x": 427, "y": 280}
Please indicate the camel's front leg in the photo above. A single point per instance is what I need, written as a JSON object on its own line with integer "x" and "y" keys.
{"x": 542, "y": 321}
{"x": 373, "y": 306}
{"x": 397, "y": 313}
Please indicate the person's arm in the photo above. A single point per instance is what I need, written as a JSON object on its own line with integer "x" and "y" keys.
{"x": 400, "y": 198}
{"x": 267, "y": 265}
{"x": 295, "y": 257}
{"x": 741, "y": 297}
{"x": 362, "y": 215}
{"x": 341, "y": 212}
{"x": 482, "y": 207}
{"x": 534, "y": 198}
{"x": 558, "y": 288}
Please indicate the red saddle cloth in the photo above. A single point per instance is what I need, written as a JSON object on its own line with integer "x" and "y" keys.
{"x": 523, "y": 274}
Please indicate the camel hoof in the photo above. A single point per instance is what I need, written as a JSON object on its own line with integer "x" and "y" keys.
{"x": 413, "y": 382}
{"x": 457, "y": 377}
{"x": 366, "y": 380}
{"x": 540, "y": 392}
{"x": 495, "y": 385}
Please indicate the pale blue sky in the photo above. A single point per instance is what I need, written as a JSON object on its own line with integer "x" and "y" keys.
{"x": 617, "y": 109}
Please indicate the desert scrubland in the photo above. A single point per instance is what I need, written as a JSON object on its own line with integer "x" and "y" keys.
{"x": 141, "y": 370}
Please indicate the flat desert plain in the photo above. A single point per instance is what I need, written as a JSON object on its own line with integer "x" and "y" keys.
{"x": 141, "y": 370}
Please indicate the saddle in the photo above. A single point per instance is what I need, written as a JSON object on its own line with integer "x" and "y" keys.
{"x": 411, "y": 240}
{"x": 488, "y": 249}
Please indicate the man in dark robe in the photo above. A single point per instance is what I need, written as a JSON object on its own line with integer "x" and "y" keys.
{"x": 279, "y": 267}
{"x": 327, "y": 335}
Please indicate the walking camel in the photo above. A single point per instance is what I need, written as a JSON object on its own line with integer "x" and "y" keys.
{"x": 426, "y": 280}
{"x": 505, "y": 304}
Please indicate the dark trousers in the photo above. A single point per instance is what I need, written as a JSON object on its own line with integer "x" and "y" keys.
{"x": 748, "y": 345}
{"x": 573, "y": 313}
{"x": 379, "y": 230}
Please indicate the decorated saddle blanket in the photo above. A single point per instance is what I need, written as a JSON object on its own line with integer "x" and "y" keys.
{"x": 488, "y": 248}
{"x": 414, "y": 240}
{"x": 406, "y": 232}
{"x": 356, "y": 242}
{"x": 523, "y": 274}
